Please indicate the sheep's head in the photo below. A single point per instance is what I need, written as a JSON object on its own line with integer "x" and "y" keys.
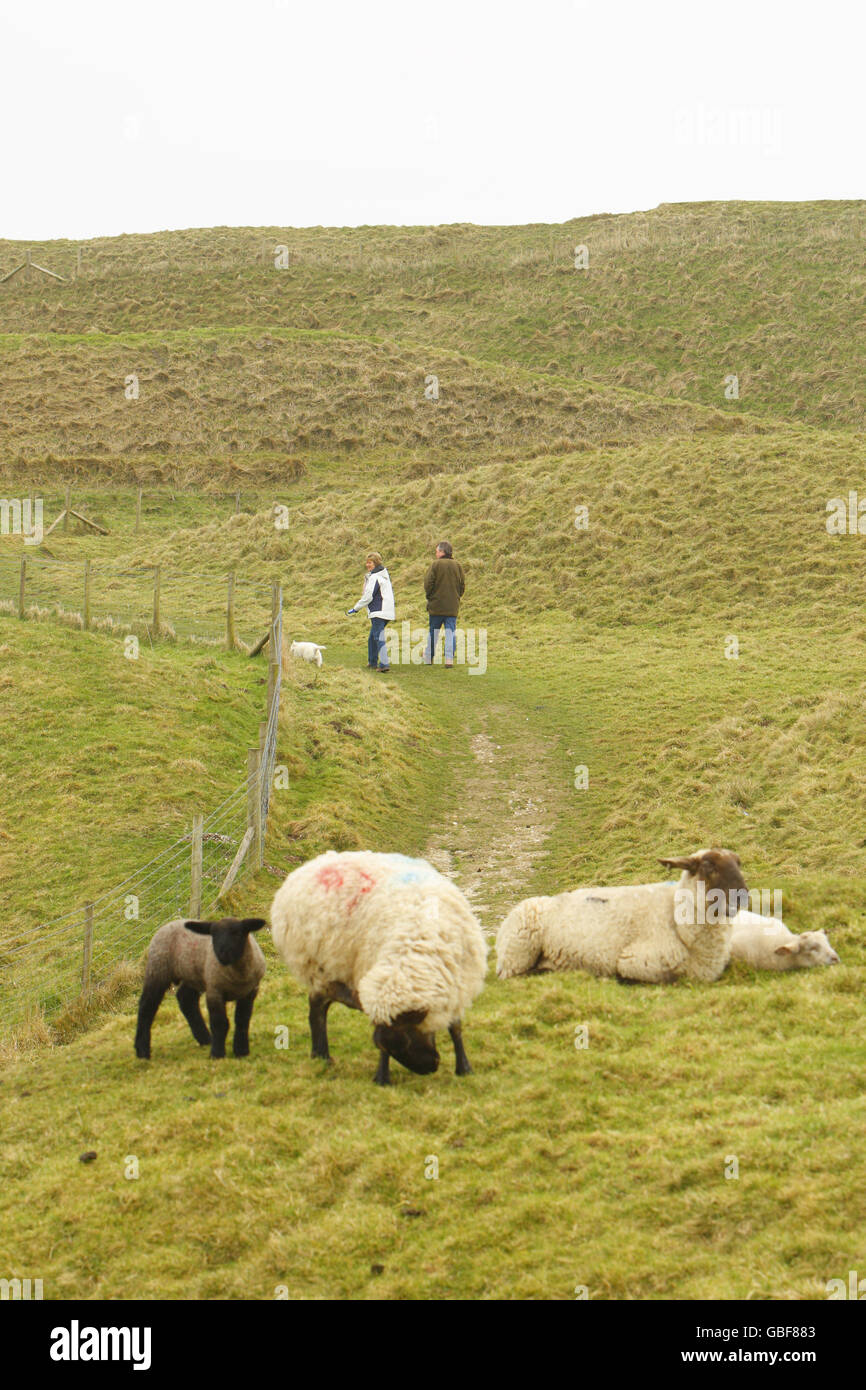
{"x": 405, "y": 1040}
{"x": 720, "y": 871}
{"x": 229, "y": 935}
{"x": 810, "y": 948}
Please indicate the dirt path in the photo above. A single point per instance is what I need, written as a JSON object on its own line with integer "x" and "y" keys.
{"x": 496, "y": 821}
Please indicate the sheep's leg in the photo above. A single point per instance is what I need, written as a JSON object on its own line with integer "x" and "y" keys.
{"x": 151, "y": 998}
{"x": 219, "y": 1024}
{"x": 319, "y": 1006}
{"x": 383, "y": 1075}
{"x": 243, "y": 1014}
{"x": 462, "y": 1067}
{"x": 187, "y": 999}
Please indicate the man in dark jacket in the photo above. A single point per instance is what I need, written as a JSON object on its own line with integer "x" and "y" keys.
{"x": 444, "y": 584}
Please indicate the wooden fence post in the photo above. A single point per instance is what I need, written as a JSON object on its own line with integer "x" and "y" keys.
{"x": 88, "y": 948}
{"x": 138, "y": 512}
{"x": 156, "y": 583}
{"x": 231, "y": 636}
{"x": 254, "y": 805}
{"x": 237, "y": 503}
{"x": 195, "y": 873}
{"x": 67, "y": 505}
{"x": 86, "y": 595}
{"x": 21, "y": 583}
{"x": 78, "y": 263}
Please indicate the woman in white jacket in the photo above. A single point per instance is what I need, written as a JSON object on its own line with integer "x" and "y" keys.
{"x": 378, "y": 599}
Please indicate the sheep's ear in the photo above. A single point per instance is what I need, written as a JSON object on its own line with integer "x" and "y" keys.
{"x": 790, "y": 950}
{"x": 691, "y": 863}
{"x": 410, "y": 1019}
{"x": 203, "y": 928}
{"x": 253, "y": 923}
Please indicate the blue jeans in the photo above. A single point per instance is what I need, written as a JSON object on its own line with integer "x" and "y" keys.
{"x": 437, "y": 620}
{"x": 377, "y": 652}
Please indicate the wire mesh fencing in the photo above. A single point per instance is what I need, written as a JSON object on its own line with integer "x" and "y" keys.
{"x": 46, "y": 969}
{"x": 155, "y": 602}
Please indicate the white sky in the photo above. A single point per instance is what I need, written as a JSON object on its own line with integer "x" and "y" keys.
{"x": 118, "y": 117}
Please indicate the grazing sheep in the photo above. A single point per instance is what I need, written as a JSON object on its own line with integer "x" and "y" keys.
{"x": 387, "y": 935}
{"x": 656, "y": 932}
{"x": 765, "y": 943}
{"x": 218, "y": 958}
{"x": 307, "y": 651}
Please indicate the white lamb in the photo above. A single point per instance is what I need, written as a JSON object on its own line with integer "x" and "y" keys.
{"x": 765, "y": 943}
{"x": 307, "y": 651}
{"x": 656, "y": 932}
{"x": 390, "y": 936}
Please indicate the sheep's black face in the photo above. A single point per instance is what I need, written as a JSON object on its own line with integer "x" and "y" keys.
{"x": 407, "y": 1044}
{"x": 228, "y": 935}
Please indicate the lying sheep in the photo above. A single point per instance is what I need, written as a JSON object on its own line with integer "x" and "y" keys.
{"x": 389, "y": 936}
{"x": 307, "y": 651}
{"x": 656, "y": 932}
{"x": 765, "y": 943}
{"x": 218, "y": 958}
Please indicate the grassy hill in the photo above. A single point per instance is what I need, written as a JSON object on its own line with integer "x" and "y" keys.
{"x": 608, "y": 647}
{"x": 673, "y": 301}
{"x": 308, "y": 394}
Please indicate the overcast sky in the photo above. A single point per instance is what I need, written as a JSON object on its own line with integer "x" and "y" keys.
{"x": 174, "y": 113}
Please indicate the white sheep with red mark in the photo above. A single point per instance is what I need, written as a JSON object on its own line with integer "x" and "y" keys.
{"x": 765, "y": 943}
{"x": 387, "y": 935}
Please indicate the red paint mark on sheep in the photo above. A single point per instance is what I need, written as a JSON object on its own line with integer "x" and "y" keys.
{"x": 369, "y": 882}
{"x": 330, "y": 878}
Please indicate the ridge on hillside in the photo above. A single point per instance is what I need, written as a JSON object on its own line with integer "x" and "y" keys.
{"x": 673, "y": 300}
{"x": 307, "y": 394}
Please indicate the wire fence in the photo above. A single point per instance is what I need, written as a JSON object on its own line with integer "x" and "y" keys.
{"x": 153, "y": 602}
{"x": 45, "y": 970}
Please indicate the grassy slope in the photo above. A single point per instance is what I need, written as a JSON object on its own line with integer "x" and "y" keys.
{"x": 212, "y": 394}
{"x": 674, "y": 299}
{"x": 281, "y": 1172}
{"x": 606, "y": 648}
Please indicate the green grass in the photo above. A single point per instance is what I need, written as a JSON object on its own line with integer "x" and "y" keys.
{"x": 606, "y": 648}
{"x": 674, "y": 299}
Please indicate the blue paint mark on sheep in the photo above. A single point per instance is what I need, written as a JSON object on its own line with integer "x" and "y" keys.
{"x": 411, "y": 870}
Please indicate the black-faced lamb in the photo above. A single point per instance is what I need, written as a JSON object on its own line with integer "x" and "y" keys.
{"x": 219, "y": 959}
